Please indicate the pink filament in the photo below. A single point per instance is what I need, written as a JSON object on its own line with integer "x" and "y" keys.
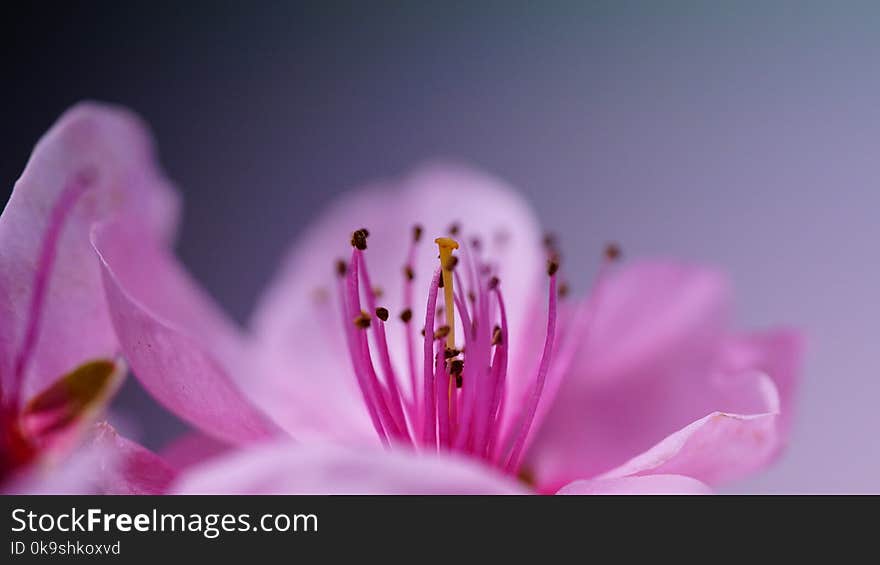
{"x": 384, "y": 356}
{"x": 513, "y": 458}
{"x": 441, "y": 415}
{"x": 428, "y": 429}
{"x": 410, "y": 342}
{"x": 347, "y": 319}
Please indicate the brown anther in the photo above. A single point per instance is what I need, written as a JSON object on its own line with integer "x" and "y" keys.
{"x": 423, "y": 332}
{"x": 552, "y": 266}
{"x": 382, "y": 313}
{"x": 417, "y": 232}
{"x": 454, "y": 228}
{"x": 550, "y": 242}
{"x": 406, "y": 316}
{"x": 451, "y": 263}
{"x": 497, "y": 336}
{"x": 613, "y": 252}
{"x": 527, "y": 477}
{"x": 409, "y": 273}
{"x": 493, "y": 283}
{"x": 485, "y": 269}
{"x": 362, "y": 321}
{"x": 472, "y": 296}
{"x": 341, "y": 267}
{"x": 451, "y": 352}
{"x": 456, "y": 366}
{"x": 440, "y": 283}
{"x": 476, "y": 243}
{"x": 563, "y": 290}
{"x": 441, "y": 332}
{"x": 378, "y": 292}
{"x": 320, "y": 295}
{"x": 359, "y": 239}
{"x": 440, "y": 311}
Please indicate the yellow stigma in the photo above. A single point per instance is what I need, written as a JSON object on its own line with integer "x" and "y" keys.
{"x": 446, "y": 245}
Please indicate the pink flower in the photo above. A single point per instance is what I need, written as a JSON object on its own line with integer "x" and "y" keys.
{"x": 636, "y": 387}
{"x": 59, "y": 357}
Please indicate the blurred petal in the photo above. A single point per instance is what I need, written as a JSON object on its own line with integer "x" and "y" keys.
{"x": 76, "y": 473}
{"x": 105, "y": 463}
{"x": 177, "y": 342}
{"x": 192, "y": 449}
{"x": 648, "y": 484}
{"x": 290, "y": 469}
{"x": 297, "y": 324}
{"x": 44, "y": 233}
{"x": 128, "y": 468}
{"x": 777, "y": 353}
{"x": 718, "y": 448}
{"x": 652, "y": 365}
{"x": 653, "y": 313}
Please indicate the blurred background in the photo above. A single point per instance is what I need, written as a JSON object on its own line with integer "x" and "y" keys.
{"x": 740, "y": 134}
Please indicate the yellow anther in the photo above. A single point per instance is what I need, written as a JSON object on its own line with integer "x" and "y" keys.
{"x": 447, "y": 245}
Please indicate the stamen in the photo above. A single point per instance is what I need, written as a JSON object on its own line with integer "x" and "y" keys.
{"x": 499, "y": 376}
{"x": 362, "y": 321}
{"x": 393, "y": 393}
{"x": 406, "y": 316}
{"x": 320, "y": 295}
{"x": 613, "y": 252}
{"x": 563, "y": 290}
{"x": 455, "y": 368}
{"x": 496, "y": 336}
{"x": 359, "y": 239}
{"x": 345, "y": 286}
{"x": 430, "y": 409}
{"x": 516, "y": 451}
{"x": 441, "y": 332}
{"x": 448, "y": 262}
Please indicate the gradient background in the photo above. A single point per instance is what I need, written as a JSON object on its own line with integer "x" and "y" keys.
{"x": 740, "y": 134}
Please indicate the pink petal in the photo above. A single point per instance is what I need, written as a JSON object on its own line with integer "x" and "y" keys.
{"x": 779, "y": 354}
{"x": 105, "y": 463}
{"x": 718, "y": 448}
{"x": 298, "y": 324}
{"x": 648, "y": 484}
{"x": 653, "y": 365}
{"x": 107, "y": 152}
{"x": 652, "y": 313}
{"x": 177, "y": 342}
{"x": 128, "y": 468}
{"x": 192, "y": 449}
{"x": 284, "y": 468}
{"x": 77, "y": 472}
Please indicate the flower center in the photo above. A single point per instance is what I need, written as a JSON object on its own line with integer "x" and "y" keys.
{"x": 459, "y": 399}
